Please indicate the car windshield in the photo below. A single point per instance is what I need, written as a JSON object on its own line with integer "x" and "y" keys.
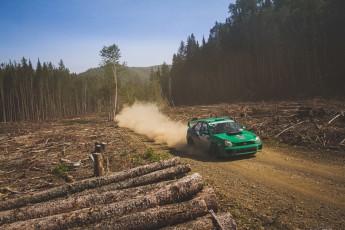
{"x": 226, "y": 127}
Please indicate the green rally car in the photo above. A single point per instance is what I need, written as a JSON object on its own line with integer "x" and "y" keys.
{"x": 222, "y": 137}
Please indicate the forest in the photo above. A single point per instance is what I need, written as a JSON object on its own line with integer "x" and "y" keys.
{"x": 43, "y": 93}
{"x": 265, "y": 49}
{"x": 49, "y": 92}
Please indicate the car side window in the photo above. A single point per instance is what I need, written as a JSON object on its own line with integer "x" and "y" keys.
{"x": 197, "y": 126}
{"x": 204, "y": 127}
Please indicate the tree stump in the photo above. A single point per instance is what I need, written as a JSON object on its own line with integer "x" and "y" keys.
{"x": 98, "y": 169}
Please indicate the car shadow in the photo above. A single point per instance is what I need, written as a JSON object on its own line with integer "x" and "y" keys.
{"x": 200, "y": 155}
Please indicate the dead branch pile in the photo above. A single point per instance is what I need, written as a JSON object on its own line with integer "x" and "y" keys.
{"x": 145, "y": 197}
{"x": 314, "y": 123}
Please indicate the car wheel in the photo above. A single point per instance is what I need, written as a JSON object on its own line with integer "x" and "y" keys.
{"x": 214, "y": 150}
{"x": 190, "y": 141}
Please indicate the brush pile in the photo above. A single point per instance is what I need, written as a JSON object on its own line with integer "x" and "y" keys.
{"x": 313, "y": 123}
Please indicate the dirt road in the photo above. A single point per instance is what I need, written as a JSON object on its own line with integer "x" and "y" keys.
{"x": 279, "y": 188}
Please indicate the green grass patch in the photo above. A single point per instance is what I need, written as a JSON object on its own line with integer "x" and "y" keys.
{"x": 61, "y": 169}
{"x": 149, "y": 156}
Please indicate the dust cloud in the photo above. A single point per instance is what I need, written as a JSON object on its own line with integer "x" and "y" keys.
{"x": 146, "y": 119}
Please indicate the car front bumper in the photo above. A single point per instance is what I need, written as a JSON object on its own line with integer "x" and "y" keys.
{"x": 243, "y": 150}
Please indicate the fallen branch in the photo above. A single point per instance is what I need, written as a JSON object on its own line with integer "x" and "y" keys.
{"x": 342, "y": 142}
{"x": 178, "y": 191}
{"x": 289, "y": 128}
{"x": 340, "y": 114}
{"x": 8, "y": 189}
{"x": 85, "y": 184}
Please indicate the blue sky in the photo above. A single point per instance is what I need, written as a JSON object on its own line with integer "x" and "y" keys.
{"x": 148, "y": 32}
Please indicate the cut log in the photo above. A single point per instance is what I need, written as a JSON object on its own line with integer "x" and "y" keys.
{"x": 227, "y": 221}
{"x": 206, "y": 222}
{"x": 154, "y": 177}
{"x": 86, "y": 184}
{"x": 180, "y": 190}
{"x": 165, "y": 215}
{"x": 89, "y": 199}
{"x": 218, "y": 222}
{"x": 201, "y": 223}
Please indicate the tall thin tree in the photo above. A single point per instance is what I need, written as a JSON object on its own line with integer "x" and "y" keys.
{"x": 110, "y": 56}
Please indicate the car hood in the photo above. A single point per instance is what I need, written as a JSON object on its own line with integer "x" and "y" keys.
{"x": 241, "y": 137}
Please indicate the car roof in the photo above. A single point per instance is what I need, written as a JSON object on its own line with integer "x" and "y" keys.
{"x": 213, "y": 119}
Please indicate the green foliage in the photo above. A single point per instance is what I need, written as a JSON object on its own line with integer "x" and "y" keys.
{"x": 148, "y": 156}
{"x": 61, "y": 169}
{"x": 46, "y": 92}
{"x": 110, "y": 54}
{"x": 134, "y": 83}
{"x": 137, "y": 160}
{"x": 159, "y": 86}
{"x": 151, "y": 156}
{"x": 265, "y": 49}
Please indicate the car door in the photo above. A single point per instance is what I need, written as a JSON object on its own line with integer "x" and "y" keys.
{"x": 196, "y": 132}
{"x": 204, "y": 136}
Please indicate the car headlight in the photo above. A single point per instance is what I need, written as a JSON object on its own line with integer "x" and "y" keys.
{"x": 257, "y": 139}
{"x": 228, "y": 143}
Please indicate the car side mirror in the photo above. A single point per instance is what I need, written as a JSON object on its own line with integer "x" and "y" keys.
{"x": 205, "y": 132}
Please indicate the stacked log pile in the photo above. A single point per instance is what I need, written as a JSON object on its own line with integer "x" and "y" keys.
{"x": 158, "y": 195}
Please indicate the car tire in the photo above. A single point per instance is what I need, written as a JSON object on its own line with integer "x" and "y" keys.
{"x": 214, "y": 150}
{"x": 190, "y": 141}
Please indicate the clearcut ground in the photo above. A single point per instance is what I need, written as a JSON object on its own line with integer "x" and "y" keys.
{"x": 280, "y": 188}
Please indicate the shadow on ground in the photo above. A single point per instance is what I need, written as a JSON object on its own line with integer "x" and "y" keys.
{"x": 200, "y": 155}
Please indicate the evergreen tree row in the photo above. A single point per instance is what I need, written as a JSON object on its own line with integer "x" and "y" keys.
{"x": 266, "y": 49}
{"x": 159, "y": 83}
{"x": 46, "y": 92}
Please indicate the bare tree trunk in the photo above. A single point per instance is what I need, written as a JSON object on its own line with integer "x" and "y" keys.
{"x": 153, "y": 177}
{"x": 201, "y": 223}
{"x": 178, "y": 191}
{"x": 115, "y": 78}
{"x": 105, "y": 195}
{"x": 206, "y": 223}
{"x": 166, "y": 215}
{"x": 3, "y": 104}
{"x": 86, "y": 184}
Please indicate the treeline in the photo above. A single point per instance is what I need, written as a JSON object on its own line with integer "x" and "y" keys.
{"x": 49, "y": 92}
{"x": 135, "y": 83}
{"x": 159, "y": 86}
{"x": 45, "y": 92}
{"x": 266, "y": 49}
